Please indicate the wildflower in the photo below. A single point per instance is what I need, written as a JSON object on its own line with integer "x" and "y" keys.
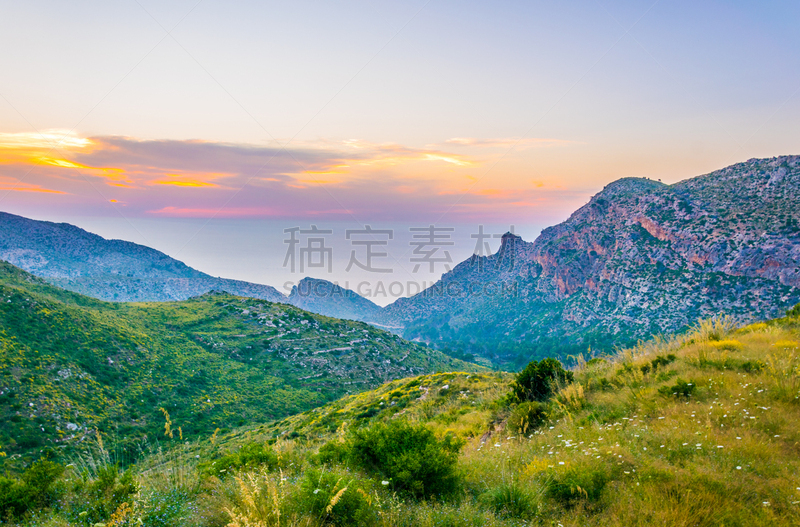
{"x": 738, "y": 468}
{"x": 316, "y": 491}
{"x": 384, "y": 483}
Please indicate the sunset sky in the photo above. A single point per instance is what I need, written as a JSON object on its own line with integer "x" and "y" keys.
{"x": 119, "y": 115}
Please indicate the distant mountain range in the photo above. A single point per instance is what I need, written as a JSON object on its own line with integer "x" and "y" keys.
{"x": 332, "y": 300}
{"x": 114, "y": 270}
{"x": 640, "y": 258}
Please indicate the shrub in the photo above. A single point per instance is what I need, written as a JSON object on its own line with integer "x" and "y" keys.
{"x": 727, "y": 345}
{"x": 752, "y": 366}
{"x": 662, "y": 360}
{"x": 527, "y": 417}
{"x": 577, "y": 484}
{"x": 510, "y": 500}
{"x": 95, "y": 501}
{"x": 680, "y": 389}
{"x": 249, "y": 456}
{"x": 409, "y": 456}
{"x": 35, "y": 490}
{"x": 336, "y": 499}
{"x": 332, "y": 452}
{"x": 539, "y": 380}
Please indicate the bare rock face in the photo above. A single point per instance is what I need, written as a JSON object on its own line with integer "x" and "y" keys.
{"x": 640, "y": 258}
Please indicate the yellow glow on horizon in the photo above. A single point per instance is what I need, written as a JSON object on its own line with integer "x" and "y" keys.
{"x": 185, "y": 183}
{"x": 46, "y": 140}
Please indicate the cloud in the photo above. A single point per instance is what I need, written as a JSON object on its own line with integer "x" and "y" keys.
{"x": 15, "y": 185}
{"x": 45, "y": 140}
{"x": 351, "y": 179}
{"x": 510, "y": 142}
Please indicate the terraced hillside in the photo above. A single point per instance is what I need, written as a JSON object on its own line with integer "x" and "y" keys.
{"x": 71, "y": 365}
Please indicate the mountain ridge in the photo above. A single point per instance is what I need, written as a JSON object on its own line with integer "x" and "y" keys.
{"x": 640, "y": 258}
{"x": 114, "y": 270}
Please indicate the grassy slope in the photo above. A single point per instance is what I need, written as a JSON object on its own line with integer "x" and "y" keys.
{"x": 728, "y": 454}
{"x": 71, "y": 364}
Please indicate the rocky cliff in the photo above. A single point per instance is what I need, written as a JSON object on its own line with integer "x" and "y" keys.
{"x": 640, "y": 258}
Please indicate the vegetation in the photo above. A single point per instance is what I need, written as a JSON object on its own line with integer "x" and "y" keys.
{"x": 71, "y": 366}
{"x": 672, "y": 431}
{"x": 539, "y": 380}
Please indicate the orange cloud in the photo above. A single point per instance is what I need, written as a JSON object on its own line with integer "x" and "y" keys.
{"x": 15, "y": 185}
{"x": 185, "y": 183}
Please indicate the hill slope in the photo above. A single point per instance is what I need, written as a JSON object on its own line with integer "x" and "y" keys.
{"x": 640, "y": 258}
{"x": 692, "y": 430}
{"x": 113, "y": 270}
{"x": 70, "y": 364}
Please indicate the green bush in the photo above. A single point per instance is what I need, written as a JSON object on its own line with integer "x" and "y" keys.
{"x": 337, "y": 499}
{"x": 36, "y": 489}
{"x": 409, "y": 456}
{"x": 576, "y": 484}
{"x": 752, "y": 366}
{"x": 332, "y": 452}
{"x": 510, "y": 500}
{"x": 680, "y": 389}
{"x": 539, "y": 380}
{"x": 249, "y": 456}
{"x": 527, "y": 417}
{"x": 94, "y": 501}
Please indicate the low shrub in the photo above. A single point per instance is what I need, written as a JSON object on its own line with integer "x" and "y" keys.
{"x": 726, "y": 345}
{"x": 510, "y": 500}
{"x": 94, "y": 501}
{"x": 752, "y": 366}
{"x": 336, "y": 499}
{"x": 409, "y": 456}
{"x": 576, "y": 484}
{"x": 680, "y": 389}
{"x": 527, "y": 417}
{"x": 36, "y": 489}
{"x": 251, "y": 455}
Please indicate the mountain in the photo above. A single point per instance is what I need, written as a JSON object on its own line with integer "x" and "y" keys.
{"x": 641, "y": 258}
{"x": 114, "y": 270}
{"x": 70, "y": 364}
{"x": 330, "y": 299}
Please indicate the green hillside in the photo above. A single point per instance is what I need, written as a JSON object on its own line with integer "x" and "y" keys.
{"x": 71, "y": 365}
{"x": 696, "y": 430}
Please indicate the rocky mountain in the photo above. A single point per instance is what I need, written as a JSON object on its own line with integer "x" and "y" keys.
{"x": 330, "y": 299}
{"x": 114, "y": 270}
{"x": 640, "y": 258}
{"x": 70, "y": 364}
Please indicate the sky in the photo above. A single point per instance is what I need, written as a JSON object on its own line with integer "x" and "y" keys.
{"x": 184, "y": 125}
